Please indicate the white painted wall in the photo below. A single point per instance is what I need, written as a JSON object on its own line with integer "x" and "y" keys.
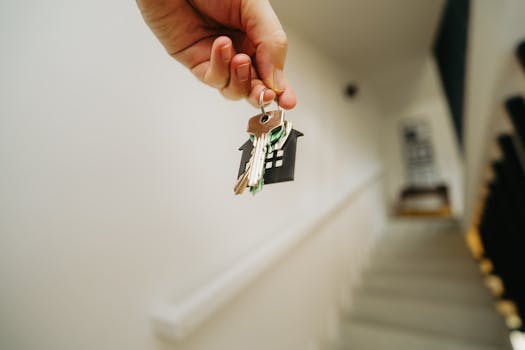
{"x": 493, "y": 74}
{"x": 426, "y": 102}
{"x": 116, "y": 187}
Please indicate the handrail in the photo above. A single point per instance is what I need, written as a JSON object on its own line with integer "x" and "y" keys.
{"x": 520, "y": 53}
{"x": 175, "y": 321}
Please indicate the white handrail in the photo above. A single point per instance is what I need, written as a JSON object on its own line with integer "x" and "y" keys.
{"x": 176, "y": 321}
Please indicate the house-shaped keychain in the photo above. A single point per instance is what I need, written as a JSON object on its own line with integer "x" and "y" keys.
{"x": 279, "y": 164}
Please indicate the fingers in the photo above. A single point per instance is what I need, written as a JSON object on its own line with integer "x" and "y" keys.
{"x": 270, "y": 61}
{"x": 287, "y": 99}
{"x": 240, "y": 74}
{"x": 229, "y": 73}
{"x": 264, "y": 29}
{"x": 218, "y": 71}
{"x": 239, "y": 88}
{"x": 234, "y": 75}
{"x": 255, "y": 93}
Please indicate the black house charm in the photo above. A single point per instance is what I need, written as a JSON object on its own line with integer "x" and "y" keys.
{"x": 279, "y": 164}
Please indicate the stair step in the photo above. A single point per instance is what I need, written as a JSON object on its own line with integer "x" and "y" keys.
{"x": 419, "y": 231}
{"x": 454, "y": 245}
{"x": 477, "y": 324}
{"x": 452, "y": 236}
{"x": 358, "y": 335}
{"x": 439, "y": 239}
{"x": 441, "y": 289}
{"x": 423, "y": 291}
{"x": 422, "y": 226}
{"x": 436, "y": 243}
{"x": 422, "y": 252}
{"x": 420, "y": 265}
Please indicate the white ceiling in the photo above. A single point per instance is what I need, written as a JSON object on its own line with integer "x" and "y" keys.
{"x": 365, "y": 34}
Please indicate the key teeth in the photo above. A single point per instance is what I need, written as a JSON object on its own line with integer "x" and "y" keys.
{"x": 241, "y": 183}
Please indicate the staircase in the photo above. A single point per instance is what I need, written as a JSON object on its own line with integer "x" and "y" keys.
{"x": 423, "y": 290}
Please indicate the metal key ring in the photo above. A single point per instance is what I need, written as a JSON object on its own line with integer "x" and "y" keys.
{"x": 261, "y": 101}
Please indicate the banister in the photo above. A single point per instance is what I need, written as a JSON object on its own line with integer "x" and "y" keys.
{"x": 176, "y": 320}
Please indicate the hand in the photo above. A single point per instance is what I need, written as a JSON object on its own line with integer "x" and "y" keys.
{"x": 236, "y": 46}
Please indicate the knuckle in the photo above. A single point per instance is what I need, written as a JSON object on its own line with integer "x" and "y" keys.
{"x": 215, "y": 79}
{"x": 280, "y": 39}
{"x": 230, "y": 95}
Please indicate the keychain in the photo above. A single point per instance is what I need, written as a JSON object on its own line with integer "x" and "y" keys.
{"x": 269, "y": 155}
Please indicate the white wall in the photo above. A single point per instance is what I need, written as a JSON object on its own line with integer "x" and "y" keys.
{"x": 298, "y": 303}
{"x": 493, "y": 74}
{"x": 116, "y": 186}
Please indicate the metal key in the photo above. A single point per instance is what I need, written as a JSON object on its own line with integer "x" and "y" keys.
{"x": 259, "y": 127}
{"x": 242, "y": 181}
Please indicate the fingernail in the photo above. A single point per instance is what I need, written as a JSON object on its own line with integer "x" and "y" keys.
{"x": 278, "y": 80}
{"x": 243, "y": 72}
{"x": 269, "y": 95}
{"x": 226, "y": 53}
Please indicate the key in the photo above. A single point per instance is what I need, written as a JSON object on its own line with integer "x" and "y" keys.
{"x": 260, "y": 126}
{"x": 266, "y": 130}
{"x": 284, "y": 136}
{"x": 242, "y": 181}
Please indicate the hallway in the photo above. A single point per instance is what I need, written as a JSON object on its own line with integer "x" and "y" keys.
{"x": 120, "y": 229}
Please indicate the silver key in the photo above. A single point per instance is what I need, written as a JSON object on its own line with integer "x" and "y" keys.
{"x": 259, "y": 127}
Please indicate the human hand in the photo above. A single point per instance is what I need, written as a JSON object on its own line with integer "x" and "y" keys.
{"x": 236, "y": 46}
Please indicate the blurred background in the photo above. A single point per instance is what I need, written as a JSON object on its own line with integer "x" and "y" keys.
{"x": 404, "y": 227}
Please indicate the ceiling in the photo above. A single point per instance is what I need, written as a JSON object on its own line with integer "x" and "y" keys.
{"x": 365, "y": 34}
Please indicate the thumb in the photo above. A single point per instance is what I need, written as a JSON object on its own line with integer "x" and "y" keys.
{"x": 264, "y": 29}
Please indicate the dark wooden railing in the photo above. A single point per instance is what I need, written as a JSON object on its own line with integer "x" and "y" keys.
{"x": 502, "y": 222}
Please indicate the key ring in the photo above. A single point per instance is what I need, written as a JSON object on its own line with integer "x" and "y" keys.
{"x": 261, "y": 101}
